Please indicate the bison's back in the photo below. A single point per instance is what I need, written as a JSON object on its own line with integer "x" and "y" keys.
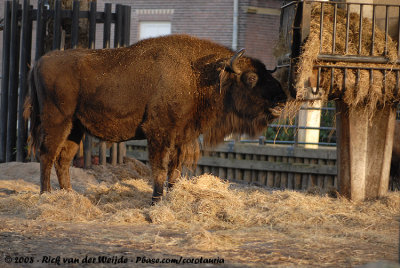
{"x": 114, "y": 91}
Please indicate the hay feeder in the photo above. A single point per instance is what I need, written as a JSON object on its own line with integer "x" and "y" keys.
{"x": 348, "y": 52}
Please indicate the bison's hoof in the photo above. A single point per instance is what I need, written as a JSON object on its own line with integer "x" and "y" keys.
{"x": 155, "y": 200}
{"x": 170, "y": 185}
{"x": 45, "y": 191}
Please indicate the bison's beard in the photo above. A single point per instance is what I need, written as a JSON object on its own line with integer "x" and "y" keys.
{"x": 230, "y": 123}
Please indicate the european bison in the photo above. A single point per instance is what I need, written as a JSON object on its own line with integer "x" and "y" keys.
{"x": 168, "y": 90}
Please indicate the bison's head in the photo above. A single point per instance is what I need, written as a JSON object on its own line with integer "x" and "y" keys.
{"x": 253, "y": 94}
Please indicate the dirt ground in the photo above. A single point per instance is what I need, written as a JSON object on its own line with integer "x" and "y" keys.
{"x": 108, "y": 220}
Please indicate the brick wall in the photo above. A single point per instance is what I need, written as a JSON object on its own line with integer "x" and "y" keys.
{"x": 203, "y": 18}
{"x": 260, "y": 32}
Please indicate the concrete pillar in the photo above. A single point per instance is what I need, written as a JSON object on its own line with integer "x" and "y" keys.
{"x": 309, "y": 118}
{"x": 364, "y": 151}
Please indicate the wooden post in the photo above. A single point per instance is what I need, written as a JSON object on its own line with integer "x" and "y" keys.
{"x": 114, "y": 154}
{"x": 4, "y": 80}
{"x": 87, "y": 151}
{"x": 364, "y": 151}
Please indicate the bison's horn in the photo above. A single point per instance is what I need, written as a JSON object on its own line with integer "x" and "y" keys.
{"x": 274, "y": 70}
{"x": 233, "y": 61}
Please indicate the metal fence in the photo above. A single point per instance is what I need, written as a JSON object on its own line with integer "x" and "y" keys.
{"x": 286, "y": 133}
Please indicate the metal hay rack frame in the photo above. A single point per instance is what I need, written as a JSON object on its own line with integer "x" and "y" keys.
{"x": 295, "y": 24}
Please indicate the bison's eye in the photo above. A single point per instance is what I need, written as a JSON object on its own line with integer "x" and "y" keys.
{"x": 250, "y": 79}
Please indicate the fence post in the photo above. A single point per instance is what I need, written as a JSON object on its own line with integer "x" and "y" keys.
{"x": 118, "y": 42}
{"x": 126, "y": 26}
{"x": 364, "y": 150}
{"x": 13, "y": 84}
{"x": 26, "y": 41}
{"x": 106, "y": 44}
{"x": 88, "y": 143}
{"x": 4, "y": 81}
{"x": 40, "y": 31}
{"x": 57, "y": 25}
{"x": 75, "y": 24}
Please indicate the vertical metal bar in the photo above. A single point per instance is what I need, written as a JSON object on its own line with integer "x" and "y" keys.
{"x": 75, "y": 25}
{"x": 360, "y": 29}
{"x": 318, "y": 79}
{"x": 24, "y": 69}
{"x": 397, "y": 83}
{"x": 118, "y": 26}
{"x": 371, "y": 78}
{"x": 57, "y": 25}
{"x": 344, "y": 79}
{"x": 373, "y": 29}
{"x": 107, "y": 25}
{"x": 13, "y": 85}
{"x": 4, "y": 80}
{"x": 321, "y": 27}
{"x": 347, "y": 28}
{"x": 332, "y": 80}
{"x": 40, "y": 30}
{"x": 384, "y": 82}
{"x": 334, "y": 28}
{"x": 358, "y": 78}
{"x": 386, "y": 29}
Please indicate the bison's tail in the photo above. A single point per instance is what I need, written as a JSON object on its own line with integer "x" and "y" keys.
{"x": 32, "y": 112}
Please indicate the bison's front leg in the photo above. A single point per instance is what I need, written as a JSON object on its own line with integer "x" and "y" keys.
{"x": 185, "y": 154}
{"x": 175, "y": 166}
{"x": 159, "y": 159}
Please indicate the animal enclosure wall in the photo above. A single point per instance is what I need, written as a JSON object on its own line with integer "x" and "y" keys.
{"x": 269, "y": 165}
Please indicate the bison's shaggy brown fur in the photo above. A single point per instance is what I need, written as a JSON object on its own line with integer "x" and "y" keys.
{"x": 168, "y": 90}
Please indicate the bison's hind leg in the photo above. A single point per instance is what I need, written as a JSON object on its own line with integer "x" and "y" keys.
{"x": 67, "y": 153}
{"x": 53, "y": 137}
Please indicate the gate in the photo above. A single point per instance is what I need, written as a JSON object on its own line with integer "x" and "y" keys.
{"x": 17, "y": 54}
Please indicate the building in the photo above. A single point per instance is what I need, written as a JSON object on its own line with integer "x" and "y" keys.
{"x": 250, "y": 24}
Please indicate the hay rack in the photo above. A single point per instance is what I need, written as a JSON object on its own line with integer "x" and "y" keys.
{"x": 365, "y": 139}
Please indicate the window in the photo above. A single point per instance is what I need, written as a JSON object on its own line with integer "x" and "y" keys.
{"x": 154, "y": 28}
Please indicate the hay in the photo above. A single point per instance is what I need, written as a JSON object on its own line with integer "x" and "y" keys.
{"x": 367, "y": 92}
{"x": 208, "y": 214}
{"x": 57, "y": 206}
{"x": 210, "y": 202}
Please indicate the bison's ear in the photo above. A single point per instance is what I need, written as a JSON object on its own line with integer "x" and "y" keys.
{"x": 250, "y": 79}
{"x": 233, "y": 62}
